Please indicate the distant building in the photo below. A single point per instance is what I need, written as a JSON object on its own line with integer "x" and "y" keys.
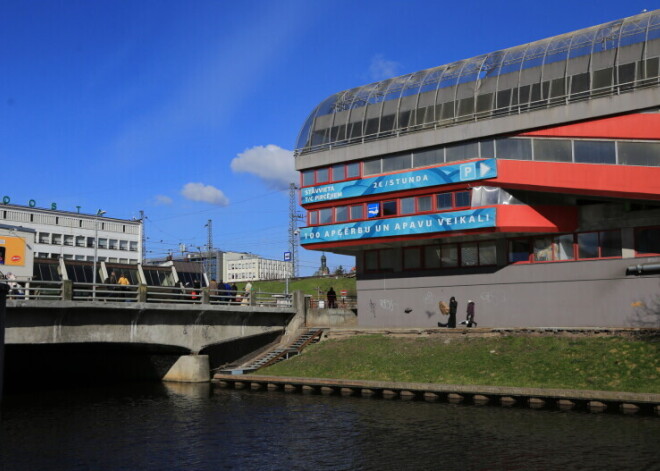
{"x": 323, "y": 269}
{"x": 230, "y": 266}
{"x": 72, "y": 236}
{"x": 250, "y": 267}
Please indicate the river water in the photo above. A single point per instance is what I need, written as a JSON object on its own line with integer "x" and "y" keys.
{"x": 193, "y": 427}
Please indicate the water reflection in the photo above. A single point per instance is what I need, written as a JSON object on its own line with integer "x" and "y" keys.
{"x": 191, "y": 427}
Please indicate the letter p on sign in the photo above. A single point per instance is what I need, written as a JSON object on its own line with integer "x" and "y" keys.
{"x": 468, "y": 171}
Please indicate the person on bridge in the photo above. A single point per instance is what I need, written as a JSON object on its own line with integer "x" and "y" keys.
{"x": 232, "y": 294}
{"x": 332, "y": 298}
{"x": 111, "y": 280}
{"x": 123, "y": 284}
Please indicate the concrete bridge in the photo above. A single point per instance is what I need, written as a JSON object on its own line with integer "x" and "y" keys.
{"x": 193, "y": 332}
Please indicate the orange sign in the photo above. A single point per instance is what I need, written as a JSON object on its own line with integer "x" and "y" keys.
{"x": 12, "y": 251}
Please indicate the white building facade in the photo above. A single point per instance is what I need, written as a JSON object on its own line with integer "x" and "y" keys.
{"x": 249, "y": 267}
{"x": 72, "y": 236}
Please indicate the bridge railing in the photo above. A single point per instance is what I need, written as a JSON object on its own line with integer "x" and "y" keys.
{"x": 36, "y": 290}
{"x": 104, "y": 292}
{"x": 173, "y": 294}
{"x": 101, "y": 292}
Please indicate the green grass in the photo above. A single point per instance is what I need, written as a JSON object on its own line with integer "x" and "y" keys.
{"x": 310, "y": 286}
{"x": 608, "y": 364}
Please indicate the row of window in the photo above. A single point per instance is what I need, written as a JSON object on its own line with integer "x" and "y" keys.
{"x": 83, "y": 258}
{"x": 548, "y": 248}
{"x": 586, "y": 151}
{"x": 448, "y": 106}
{"x": 37, "y": 218}
{"x": 82, "y": 241}
{"x": 396, "y": 207}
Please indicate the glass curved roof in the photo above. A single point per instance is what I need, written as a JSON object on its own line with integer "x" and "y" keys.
{"x": 604, "y": 59}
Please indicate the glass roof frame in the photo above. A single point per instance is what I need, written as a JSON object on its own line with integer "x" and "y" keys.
{"x": 354, "y": 111}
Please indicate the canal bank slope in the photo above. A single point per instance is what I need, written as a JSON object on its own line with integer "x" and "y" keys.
{"x": 581, "y": 366}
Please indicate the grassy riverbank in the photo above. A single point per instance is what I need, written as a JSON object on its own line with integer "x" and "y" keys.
{"x": 608, "y": 364}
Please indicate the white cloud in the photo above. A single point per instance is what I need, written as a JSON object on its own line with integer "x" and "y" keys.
{"x": 163, "y": 200}
{"x": 272, "y": 164}
{"x": 205, "y": 193}
{"x": 381, "y": 68}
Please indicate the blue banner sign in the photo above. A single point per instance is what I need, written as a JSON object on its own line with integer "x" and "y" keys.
{"x": 409, "y": 225}
{"x": 444, "y": 175}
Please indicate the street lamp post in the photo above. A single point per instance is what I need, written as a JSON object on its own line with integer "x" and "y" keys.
{"x": 99, "y": 213}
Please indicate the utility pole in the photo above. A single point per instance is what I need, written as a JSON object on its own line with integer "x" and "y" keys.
{"x": 294, "y": 218}
{"x": 209, "y": 249}
{"x": 143, "y": 237}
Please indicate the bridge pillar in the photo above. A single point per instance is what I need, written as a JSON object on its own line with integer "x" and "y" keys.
{"x": 206, "y": 296}
{"x": 142, "y": 293}
{"x": 67, "y": 290}
{"x": 190, "y": 369}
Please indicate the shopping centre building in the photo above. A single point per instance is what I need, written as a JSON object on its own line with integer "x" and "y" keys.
{"x": 526, "y": 180}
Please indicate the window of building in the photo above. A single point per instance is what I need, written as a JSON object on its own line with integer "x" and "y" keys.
{"x": 57, "y": 239}
{"x": 469, "y": 254}
{"x": 313, "y": 218}
{"x": 90, "y": 242}
{"x": 372, "y": 167}
{"x": 353, "y": 170}
{"x": 449, "y": 255}
{"x": 552, "y": 150}
{"x": 338, "y": 173}
{"x": 464, "y": 151}
{"x": 325, "y": 216}
{"x": 80, "y": 241}
{"x": 462, "y": 199}
{"x": 103, "y": 243}
{"x": 426, "y": 157}
{"x": 443, "y": 201}
{"x": 393, "y": 163}
{"x": 606, "y": 244}
{"x": 114, "y": 244}
{"x": 307, "y": 177}
{"x": 322, "y": 175}
{"x": 639, "y": 153}
{"x": 341, "y": 213}
{"x": 407, "y": 205}
{"x": 357, "y": 212}
{"x": 424, "y": 203}
{"x": 519, "y": 250}
{"x": 487, "y": 253}
{"x": 647, "y": 241}
{"x": 44, "y": 238}
{"x": 133, "y": 246}
{"x": 432, "y": 256}
{"x": 389, "y": 208}
{"x": 514, "y": 149}
{"x": 412, "y": 258}
{"x": 594, "y": 152}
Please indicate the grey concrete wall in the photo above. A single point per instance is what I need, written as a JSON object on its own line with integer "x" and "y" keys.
{"x": 331, "y": 318}
{"x": 192, "y": 328}
{"x": 573, "y": 294}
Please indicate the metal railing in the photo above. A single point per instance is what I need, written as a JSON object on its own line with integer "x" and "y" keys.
{"x": 101, "y": 292}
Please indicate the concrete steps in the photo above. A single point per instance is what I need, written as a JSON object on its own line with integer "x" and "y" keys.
{"x": 279, "y": 353}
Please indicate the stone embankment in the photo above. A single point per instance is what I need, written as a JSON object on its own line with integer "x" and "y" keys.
{"x": 535, "y": 398}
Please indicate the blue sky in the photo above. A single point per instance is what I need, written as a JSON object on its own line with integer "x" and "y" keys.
{"x": 189, "y": 110}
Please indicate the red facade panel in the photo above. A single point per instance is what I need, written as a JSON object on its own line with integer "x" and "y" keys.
{"x": 632, "y": 126}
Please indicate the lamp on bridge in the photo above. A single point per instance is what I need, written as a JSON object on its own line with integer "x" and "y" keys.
{"x": 99, "y": 213}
